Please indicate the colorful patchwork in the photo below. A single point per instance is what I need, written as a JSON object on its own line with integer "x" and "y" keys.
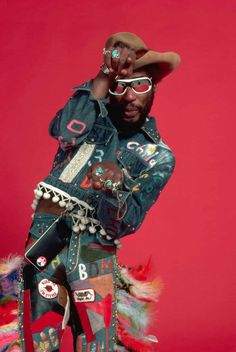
{"x": 9, "y": 289}
{"x": 135, "y": 298}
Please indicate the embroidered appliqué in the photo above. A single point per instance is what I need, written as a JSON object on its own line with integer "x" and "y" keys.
{"x": 148, "y": 152}
{"x": 77, "y": 162}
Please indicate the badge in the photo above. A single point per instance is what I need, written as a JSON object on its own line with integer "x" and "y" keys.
{"x": 48, "y": 289}
{"x": 87, "y": 295}
{"x": 41, "y": 262}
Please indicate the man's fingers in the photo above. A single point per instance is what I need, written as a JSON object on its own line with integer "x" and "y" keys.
{"x": 123, "y": 59}
{"x": 119, "y": 60}
{"x": 107, "y": 58}
{"x": 97, "y": 185}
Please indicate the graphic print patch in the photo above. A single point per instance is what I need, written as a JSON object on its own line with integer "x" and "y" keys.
{"x": 87, "y": 295}
{"x": 41, "y": 261}
{"x": 48, "y": 289}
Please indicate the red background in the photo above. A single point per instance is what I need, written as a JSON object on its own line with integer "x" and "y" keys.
{"x": 49, "y": 47}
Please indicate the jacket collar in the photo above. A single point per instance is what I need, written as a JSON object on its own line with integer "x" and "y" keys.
{"x": 150, "y": 129}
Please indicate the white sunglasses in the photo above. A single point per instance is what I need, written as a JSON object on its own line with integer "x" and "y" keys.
{"x": 140, "y": 85}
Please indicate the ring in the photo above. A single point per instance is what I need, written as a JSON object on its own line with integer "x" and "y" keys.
{"x": 108, "y": 184}
{"x": 116, "y": 186}
{"x": 115, "y": 54}
{"x": 99, "y": 171}
{"x": 105, "y": 51}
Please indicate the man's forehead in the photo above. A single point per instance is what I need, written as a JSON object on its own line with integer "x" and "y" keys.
{"x": 139, "y": 73}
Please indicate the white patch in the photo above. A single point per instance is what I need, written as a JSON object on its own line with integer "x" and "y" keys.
{"x": 41, "y": 262}
{"x": 77, "y": 163}
{"x": 147, "y": 152}
{"x": 48, "y": 289}
{"x": 87, "y": 295}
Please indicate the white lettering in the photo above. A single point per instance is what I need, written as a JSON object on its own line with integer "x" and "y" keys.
{"x": 82, "y": 272}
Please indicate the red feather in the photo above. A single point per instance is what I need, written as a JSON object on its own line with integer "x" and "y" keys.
{"x": 134, "y": 344}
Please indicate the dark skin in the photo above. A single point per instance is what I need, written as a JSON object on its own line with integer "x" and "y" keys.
{"x": 128, "y": 112}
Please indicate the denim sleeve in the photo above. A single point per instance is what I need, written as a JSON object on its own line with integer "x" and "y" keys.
{"x": 72, "y": 124}
{"x": 124, "y": 214}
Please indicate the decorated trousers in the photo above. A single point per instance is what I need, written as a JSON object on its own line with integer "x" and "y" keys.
{"x": 76, "y": 288}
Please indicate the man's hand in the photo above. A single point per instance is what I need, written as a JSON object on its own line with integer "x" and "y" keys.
{"x": 105, "y": 176}
{"x": 120, "y": 60}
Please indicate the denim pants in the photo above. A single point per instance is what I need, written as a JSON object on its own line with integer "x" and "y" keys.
{"x": 77, "y": 288}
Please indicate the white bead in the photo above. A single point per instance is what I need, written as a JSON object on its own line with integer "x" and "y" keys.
{"x": 39, "y": 193}
{"x": 34, "y": 206}
{"x": 92, "y": 229}
{"x": 103, "y": 232}
{"x": 62, "y": 203}
{"x": 32, "y": 216}
{"x": 69, "y": 206}
{"x": 46, "y": 196}
{"x": 55, "y": 199}
{"x": 75, "y": 228}
{"x": 108, "y": 237}
{"x": 80, "y": 212}
{"x": 119, "y": 245}
{"x": 82, "y": 227}
{"x": 84, "y": 221}
{"x": 35, "y": 201}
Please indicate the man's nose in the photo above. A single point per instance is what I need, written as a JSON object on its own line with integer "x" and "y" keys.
{"x": 129, "y": 94}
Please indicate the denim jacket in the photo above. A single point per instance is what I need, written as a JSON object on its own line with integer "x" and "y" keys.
{"x": 86, "y": 135}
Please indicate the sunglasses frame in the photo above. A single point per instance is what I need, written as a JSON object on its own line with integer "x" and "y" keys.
{"x": 128, "y": 80}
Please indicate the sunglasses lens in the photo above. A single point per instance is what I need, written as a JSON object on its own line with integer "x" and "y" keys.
{"x": 118, "y": 88}
{"x": 141, "y": 86}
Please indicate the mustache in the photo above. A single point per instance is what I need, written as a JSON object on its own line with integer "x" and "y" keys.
{"x": 131, "y": 106}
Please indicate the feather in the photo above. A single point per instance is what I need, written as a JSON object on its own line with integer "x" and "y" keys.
{"x": 135, "y": 299}
{"x": 133, "y": 343}
{"x": 9, "y": 285}
{"x": 7, "y": 265}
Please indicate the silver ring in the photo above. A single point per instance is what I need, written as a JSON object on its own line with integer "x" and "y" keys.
{"x": 108, "y": 184}
{"x": 116, "y": 186}
{"x": 105, "y": 51}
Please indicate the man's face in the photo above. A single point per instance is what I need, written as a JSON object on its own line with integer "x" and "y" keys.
{"x": 129, "y": 111}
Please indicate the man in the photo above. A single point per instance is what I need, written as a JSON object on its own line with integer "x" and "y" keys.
{"x": 109, "y": 170}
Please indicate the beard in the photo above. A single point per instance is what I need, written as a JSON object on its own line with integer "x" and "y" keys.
{"x": 118, "y": 112}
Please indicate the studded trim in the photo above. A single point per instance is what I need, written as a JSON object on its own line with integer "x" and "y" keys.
{"x": 77, "y": 163}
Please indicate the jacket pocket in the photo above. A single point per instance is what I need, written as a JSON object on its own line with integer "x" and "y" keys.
{"x": 40, "y": 224}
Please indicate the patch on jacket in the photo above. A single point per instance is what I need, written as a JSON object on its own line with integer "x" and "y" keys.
{"x": 148, "y": 152}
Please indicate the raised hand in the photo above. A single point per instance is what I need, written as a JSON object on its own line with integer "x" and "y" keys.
{"x": 119, "y": 60}
{"x": 105, "y": 176}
